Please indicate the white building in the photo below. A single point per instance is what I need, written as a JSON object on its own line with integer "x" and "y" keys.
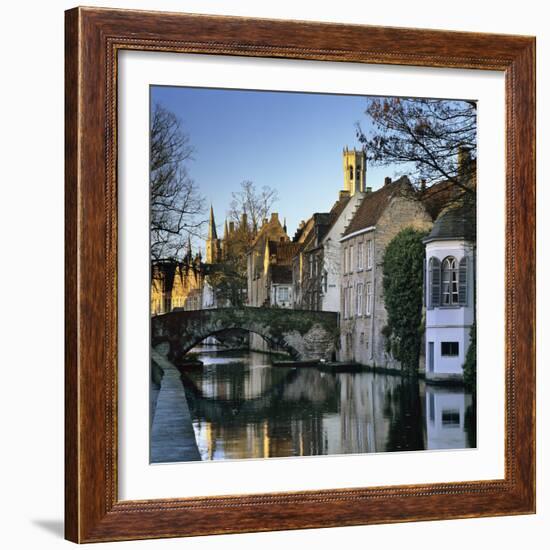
{"x": 450, "y": 292}
{"x": 330, "y": 296}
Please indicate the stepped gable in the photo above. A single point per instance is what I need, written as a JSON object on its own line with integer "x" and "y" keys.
{"x": 337, "y": 209}
{"x": 374, "y": 204}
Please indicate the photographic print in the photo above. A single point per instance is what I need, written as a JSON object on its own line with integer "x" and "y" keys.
{"x": 313, "y": 274}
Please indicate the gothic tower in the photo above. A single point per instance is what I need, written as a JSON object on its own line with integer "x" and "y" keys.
{"x": 355, "y": 170}
{"x": 213, "y": 244}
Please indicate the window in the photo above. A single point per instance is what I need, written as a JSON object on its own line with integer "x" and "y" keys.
{"x": 282, "y": 294}
{"x": 450, "y": 417}
{"x": 449, "y": 349}
{"x": 369, "y": 254}
{"x": 350, "y": 266}
{"x": 351, "y": 172}
{"x": 435, "y": 282}
{"x": 350, "y": 301}
{"x": 360, "y": 252}
{"x": 369, "y": 299}
{"x": 345, "y": 270}
{"x": 449, "y": 281}
{"x": 359, "y": 300}
{"x": 345, "y": 302}
{"x": 325, "y": 280}
{"x": 463, "y": 281}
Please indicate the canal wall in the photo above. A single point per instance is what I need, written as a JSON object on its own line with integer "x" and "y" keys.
{"x": 172, "y": 438}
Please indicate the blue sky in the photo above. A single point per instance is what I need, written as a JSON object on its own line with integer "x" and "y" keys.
{"x": 286, "y": 140}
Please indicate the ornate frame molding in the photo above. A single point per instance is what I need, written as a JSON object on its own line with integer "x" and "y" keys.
{"x": 93, "y": 38}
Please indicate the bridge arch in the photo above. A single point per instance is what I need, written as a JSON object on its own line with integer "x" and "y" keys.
{"x": 306, "y": 335}
{"x": 273, "y": 343}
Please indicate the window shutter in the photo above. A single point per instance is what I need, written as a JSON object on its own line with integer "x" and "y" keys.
{"x": 463, "y": 282}
{"x": 435, "y": 282}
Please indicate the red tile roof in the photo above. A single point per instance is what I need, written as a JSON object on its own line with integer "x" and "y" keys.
{"x": 283, "y": 251}
{"x": 374, "y": 204}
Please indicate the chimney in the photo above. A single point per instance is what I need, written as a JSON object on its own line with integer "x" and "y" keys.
{"x": 387, "y": 180}
{"x": 464, "y": 160}
{"x": 244, "y": 220}
{"x": 368, "y": 190}
{"x": 423, "y": 185}
{"x": 231, "y": 227}
{"x": 274, "y": 217}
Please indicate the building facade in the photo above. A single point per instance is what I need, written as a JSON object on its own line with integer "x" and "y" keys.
{"x": 177, "y": 284}
{"x": 342, "y": 214}
{"x": 450, "y": 291}
{"x": 381, "y": 215}
{"x": 269, "y": 271}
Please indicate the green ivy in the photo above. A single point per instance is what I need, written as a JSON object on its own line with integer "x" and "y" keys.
{"x": 403, "y": 281}
{"x": 470, "y": 364}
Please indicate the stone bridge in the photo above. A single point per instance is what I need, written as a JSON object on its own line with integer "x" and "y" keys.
{"x": 306, "y": 335}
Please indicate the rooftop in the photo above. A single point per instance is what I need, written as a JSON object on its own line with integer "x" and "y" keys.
{"x": 374, "y": 204}
{"x": 455, "y": 222}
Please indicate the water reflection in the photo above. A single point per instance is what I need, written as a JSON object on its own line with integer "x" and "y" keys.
{"x": 243, "y": 407}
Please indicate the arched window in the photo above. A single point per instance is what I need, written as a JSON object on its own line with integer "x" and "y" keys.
{"x": 449, "y": 282}
{"x": 351, "y": 172}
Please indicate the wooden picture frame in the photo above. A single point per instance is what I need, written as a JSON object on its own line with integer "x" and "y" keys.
{"x": 93, "y": 511}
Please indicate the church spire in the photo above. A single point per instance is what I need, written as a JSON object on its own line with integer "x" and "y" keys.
{"x": 212, "y": 233}
{"x": 213, "y": 244}
{"x": 189, "y": 250}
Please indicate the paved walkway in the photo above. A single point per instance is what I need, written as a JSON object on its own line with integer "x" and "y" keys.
{"x": 172, "y": 435}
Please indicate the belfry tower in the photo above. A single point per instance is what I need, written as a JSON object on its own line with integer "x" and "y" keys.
{"x": 213, "y": 244}
{"x": 355, "y": 170}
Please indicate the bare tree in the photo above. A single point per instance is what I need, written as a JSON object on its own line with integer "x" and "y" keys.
{"x": 256, "y": 204}
{"x": 429, "y": 136}
{"x": 177, "y": 208}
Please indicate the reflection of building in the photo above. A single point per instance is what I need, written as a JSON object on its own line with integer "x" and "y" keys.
{"x": 450, "y": 274}
{"x": 381, "y": 215}
{"x": 446, "y": 422}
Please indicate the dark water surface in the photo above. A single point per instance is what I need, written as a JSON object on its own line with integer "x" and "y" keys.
{"x": 244, "y": 407}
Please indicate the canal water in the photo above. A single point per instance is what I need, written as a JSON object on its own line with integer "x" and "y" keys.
{"x": 242, "y": 406}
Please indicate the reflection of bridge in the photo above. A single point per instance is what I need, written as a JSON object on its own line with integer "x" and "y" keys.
{"x": 283, "y": 399}
{"x": 306, "y": 335}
